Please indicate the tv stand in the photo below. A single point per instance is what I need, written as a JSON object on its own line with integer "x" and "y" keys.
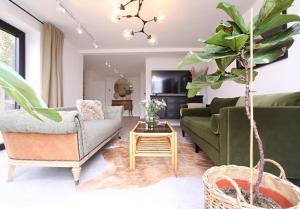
{"x": 174, "y": 101}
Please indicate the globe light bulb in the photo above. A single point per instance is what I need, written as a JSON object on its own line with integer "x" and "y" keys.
{"x": 128, "y": 34}
{"x": 116, "y": 15}
{"x": 160, "y": 17}
{"x": 152, "y": 40}
{"x": 115, "y": 18}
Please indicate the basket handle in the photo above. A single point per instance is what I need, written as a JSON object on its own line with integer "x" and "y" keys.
{"x": 282, "y": 174}
{"x": 240, "y": 198}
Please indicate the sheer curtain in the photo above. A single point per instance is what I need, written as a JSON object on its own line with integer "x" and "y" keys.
{"x": 52, "y": 74}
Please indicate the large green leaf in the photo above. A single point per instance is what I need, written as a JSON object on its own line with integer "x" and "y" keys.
{"x": 236, "y": 42}
{"x": 194, "y": 87}
{"x": 268, "y": 55}
{"x": 206, "y": 56}
{"x": 236, "y": 29}
{"x": 14, "y": 79}
{"x": 240, "y": 75}
{"x": 49, "y": 113}
{"x": 218, "y": 39}
{"x": 275, "y": 22}
{"x": 18, "y": 97}
{"x": 216, "y": 85}
{"x": 223, "y": 39}
{"x": 223, "y": 63}
{"x": 234, "y": 14}
{"x": 270, "y": 9}
{"x": 16, "y": 87}
{"x": 226, "y": 27}
{"x": 281, "y": 36}
{"x": 211, "y": 79}
{"x": 192, "y": 58}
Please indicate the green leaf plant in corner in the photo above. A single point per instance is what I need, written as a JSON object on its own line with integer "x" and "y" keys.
{"x": 231, "y": 42}
{"x": 18, "y": 89}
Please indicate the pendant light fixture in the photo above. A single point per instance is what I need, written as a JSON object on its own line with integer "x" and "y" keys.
{"x": 128, "y": 34}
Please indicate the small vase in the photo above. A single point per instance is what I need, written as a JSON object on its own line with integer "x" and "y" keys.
{"x": 152, "y": 121}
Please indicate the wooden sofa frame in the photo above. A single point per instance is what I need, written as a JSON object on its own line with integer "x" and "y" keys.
{"x": 47, "y": 150}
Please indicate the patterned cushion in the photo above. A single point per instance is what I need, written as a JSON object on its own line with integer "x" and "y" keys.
{"x": 90, "y": 109}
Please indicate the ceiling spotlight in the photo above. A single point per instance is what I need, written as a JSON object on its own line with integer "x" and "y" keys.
{"x": 128, "y": 34}
{"x": 106, "y": 63}
{"x": 152, "y": 40}
{"x": 79, "y": 29}
{"x": 59, "y": 7}
{"x": 95, "y": 44}
{"x": 121, "y": 75}
{"x": 160, "y": 18}
{"x": 109, "y": 65}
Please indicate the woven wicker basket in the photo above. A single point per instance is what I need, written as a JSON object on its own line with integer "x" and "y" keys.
{"x": 238, "y": 176}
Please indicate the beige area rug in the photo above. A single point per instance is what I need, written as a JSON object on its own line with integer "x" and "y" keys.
{"x": 148, "y": 170}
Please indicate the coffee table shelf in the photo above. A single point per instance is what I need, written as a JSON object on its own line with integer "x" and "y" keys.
{"x": 158, "y": 142}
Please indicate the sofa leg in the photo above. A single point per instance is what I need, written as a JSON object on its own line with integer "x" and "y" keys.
{"x": 183, "y": 133}
{"x": 76, "y": 174}
{"x": 197, "y": 148}
{"x": 11, "y": 171}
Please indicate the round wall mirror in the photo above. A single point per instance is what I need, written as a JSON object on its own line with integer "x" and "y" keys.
{"x": 123, "y": 88}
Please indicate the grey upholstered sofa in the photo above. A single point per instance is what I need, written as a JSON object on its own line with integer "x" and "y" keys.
{"x": 69, "y": 143}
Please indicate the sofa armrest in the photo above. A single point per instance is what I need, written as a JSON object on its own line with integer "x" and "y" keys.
{"x": 113, "y": 112}
{"x": 279, "y": 131}
{"x": 205, "y": 112}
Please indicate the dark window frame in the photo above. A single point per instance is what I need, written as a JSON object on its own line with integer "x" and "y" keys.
{"x": 20, "y": 47}
{"x": 20, "y": 64}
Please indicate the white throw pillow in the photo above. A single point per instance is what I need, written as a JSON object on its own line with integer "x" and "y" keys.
{"x": 90, "y": 109}
{"x": 196, "y": 105}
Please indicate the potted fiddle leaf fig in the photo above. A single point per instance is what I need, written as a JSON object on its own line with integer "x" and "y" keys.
{"x": 18, "y": 89}
{"x": 231, "y": 43}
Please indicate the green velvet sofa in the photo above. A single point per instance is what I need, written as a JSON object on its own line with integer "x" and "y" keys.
{"x": 222, "y": 130}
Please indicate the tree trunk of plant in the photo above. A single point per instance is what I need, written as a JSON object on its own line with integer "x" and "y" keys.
{"x": 255, "y": 130}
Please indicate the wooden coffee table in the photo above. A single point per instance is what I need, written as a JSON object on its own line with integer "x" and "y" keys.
{"x": 160, "y": 141}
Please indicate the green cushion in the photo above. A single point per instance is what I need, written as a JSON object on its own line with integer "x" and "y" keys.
{"x": 201, "y": 127}
{"x": 218, "y": 103}
{"x": 215, "y": 123}
{"x": 273, "y": 100}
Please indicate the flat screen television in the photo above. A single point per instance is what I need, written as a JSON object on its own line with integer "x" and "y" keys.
{"x": 170, "y": 82}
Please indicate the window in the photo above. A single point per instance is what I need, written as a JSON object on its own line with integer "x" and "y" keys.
{"x": 12, "y": 53}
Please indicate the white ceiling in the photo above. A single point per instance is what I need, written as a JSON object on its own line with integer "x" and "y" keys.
{"x": 187, "y": 20}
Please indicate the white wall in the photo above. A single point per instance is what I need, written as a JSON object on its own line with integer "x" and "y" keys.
{"x": 72, "y": 60}
{"x": 33, "y": 32}
{"x": 282, "y": 76}
{"x": 165, "y": 63}
{"x": 103, "y": 89}
{"x": 72, "y": 75}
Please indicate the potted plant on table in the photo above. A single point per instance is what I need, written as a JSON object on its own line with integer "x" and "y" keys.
{"x": 152, "y": 107}
{"x": 234, "y": 41}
